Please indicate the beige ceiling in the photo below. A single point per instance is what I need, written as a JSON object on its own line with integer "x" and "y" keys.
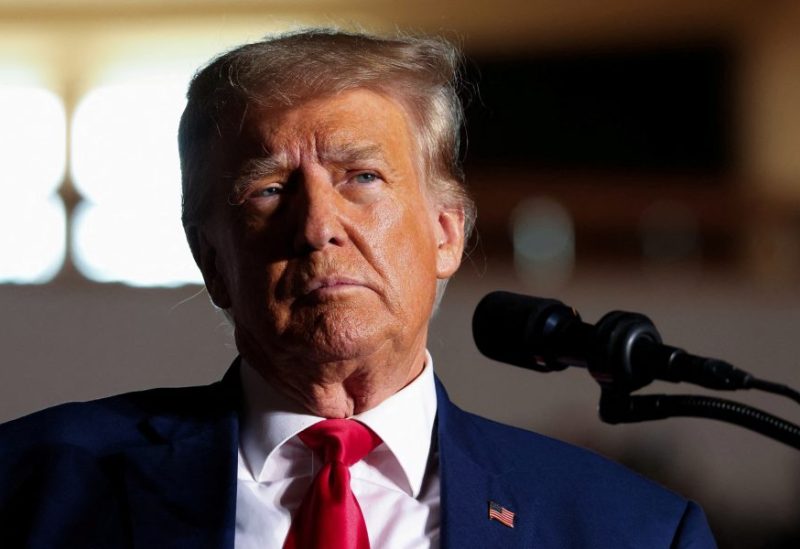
{"x": 478, "y": 22}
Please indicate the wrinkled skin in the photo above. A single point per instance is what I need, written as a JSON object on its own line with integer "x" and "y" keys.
{"x": 326, "y": 248}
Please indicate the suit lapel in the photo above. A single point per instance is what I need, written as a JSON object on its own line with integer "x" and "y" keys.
{"x": 470, "y": 479}
{"x": 181, "y": 489}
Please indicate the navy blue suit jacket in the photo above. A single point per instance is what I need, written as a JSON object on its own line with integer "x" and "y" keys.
{"x": 157, "y": 469}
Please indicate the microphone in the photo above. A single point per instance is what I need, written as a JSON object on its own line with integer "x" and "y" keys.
{"x": 623, "y": 351}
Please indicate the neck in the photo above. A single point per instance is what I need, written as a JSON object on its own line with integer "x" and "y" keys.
{"x": 340, "y": 388}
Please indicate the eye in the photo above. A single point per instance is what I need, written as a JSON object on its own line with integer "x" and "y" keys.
{"x": 362, "y": 186}
{"x": 266, "y": 192}
{"x": 365, "y": 177}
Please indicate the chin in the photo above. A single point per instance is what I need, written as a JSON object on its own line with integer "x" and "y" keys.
{"x": 331, "y": 339}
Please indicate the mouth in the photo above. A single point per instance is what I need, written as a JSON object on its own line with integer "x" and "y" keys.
{"x": 330, "y": 285}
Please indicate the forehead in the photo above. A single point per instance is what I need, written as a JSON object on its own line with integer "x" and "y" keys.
{"x": 358, "y": 118}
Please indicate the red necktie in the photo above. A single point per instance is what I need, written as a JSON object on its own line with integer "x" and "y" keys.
{"x": 329, "y": 515}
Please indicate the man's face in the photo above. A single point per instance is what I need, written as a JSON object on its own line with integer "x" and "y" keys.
{"x": 328, "y": 245}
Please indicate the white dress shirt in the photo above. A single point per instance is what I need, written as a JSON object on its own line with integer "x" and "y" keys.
{"x": 396, "y": 485}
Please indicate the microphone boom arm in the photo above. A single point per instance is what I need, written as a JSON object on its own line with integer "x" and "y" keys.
{"x": 625, "y": 408}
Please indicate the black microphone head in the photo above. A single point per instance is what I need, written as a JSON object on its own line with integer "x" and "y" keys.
{"x": 515, "y": 329}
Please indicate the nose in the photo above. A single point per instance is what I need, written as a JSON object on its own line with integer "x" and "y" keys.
{"x": 319, "y": 219}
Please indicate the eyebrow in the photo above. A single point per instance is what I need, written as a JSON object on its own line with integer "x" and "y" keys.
{"x": 351, "y": 152}
{"x": 257, "y": 168}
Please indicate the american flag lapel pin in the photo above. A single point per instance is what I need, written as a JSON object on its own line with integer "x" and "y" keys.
{"x": 499, "y": 513}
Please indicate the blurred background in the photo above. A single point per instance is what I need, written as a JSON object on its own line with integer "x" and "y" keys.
{"x": 641, "y": 155}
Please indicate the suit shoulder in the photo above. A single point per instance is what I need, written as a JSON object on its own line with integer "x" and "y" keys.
{"x": 523, "y": 453}
{"x": 104, "y": 423}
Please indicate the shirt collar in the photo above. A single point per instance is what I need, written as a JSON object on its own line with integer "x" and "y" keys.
{"x": 404, "y": 421}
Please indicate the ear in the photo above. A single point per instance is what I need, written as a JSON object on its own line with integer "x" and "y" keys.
{"x": 205, "y": 255}
{"x": 450, "y": 240}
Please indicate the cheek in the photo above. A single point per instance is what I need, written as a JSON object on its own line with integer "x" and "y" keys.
{"x": 405, "y": 249}
{"x": 255, "y": 278}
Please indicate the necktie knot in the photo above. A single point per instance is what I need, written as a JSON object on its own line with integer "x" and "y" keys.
{"x": 340, "y": 440}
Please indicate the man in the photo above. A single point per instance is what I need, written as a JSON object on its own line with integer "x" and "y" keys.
{"x": 324, "y": 205}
